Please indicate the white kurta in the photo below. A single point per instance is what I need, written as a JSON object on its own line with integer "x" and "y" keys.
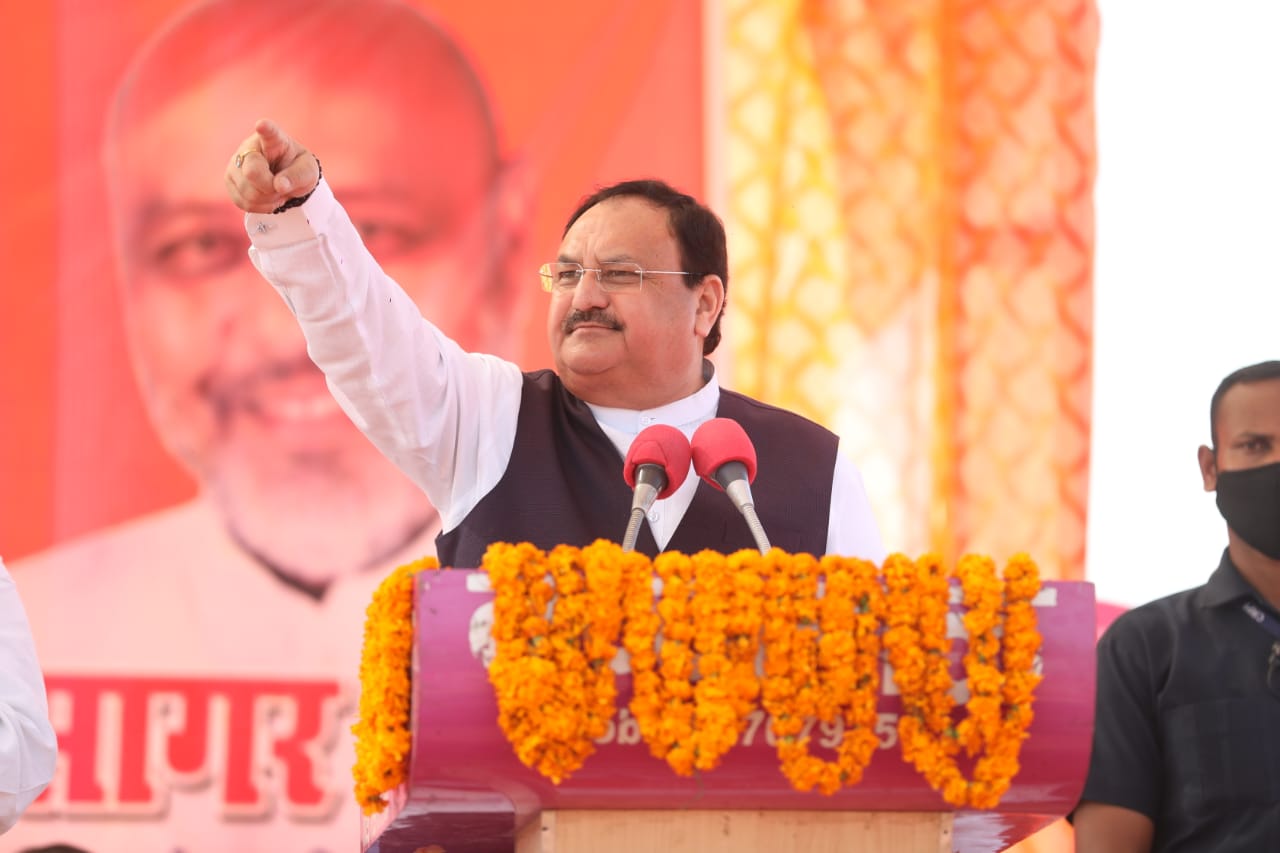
{"x": 27, "y": 745}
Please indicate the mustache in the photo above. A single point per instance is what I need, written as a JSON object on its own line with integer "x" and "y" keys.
{"x": 226, "y": 390}
{"x": 595, "y": 316}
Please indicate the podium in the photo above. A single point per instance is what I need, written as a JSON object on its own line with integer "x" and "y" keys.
{"x": 468, "y": 793}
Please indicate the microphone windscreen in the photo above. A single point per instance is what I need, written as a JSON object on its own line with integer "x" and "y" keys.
{"x": 718, "y": 441}
{"x": 659, "y": 445}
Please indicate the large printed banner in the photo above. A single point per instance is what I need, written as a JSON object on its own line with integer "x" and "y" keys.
{"x": 194, "y": 527}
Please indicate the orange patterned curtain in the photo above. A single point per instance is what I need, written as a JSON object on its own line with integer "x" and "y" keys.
{"x": 909, "y": 204}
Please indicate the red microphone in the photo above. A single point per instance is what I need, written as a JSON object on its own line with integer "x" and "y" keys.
{"x": 657, "y": 464}
{"x": 724, "y": 456}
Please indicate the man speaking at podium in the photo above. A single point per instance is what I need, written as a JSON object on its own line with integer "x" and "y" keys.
{"x": 636, "y": 294}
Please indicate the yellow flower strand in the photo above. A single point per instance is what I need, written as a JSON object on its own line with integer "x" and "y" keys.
{"x": 715, "y": 722}
{"x": 641, "y": 626}
{"x": 918, "y": 653}
{"x": 604, "y": 567}
{"x": 522, "y": 671}
{"x": 794, "y": 694}
{"x": 998, "y": 710}
{"x": 383, "y": 739}
{"x": 743, "y": 626}
{"x": 559, "y": 619}
{"x": 1020, "y": 644}
{"x": 673, "y": 740}
{"x": 853, "y": 619}
{"x": 778, "y": 688}
{"x": 978, "y": 732}
{"x": 551, "y": 672}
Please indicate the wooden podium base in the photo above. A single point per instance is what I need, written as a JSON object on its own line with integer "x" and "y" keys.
{"x": 590, "y": 831}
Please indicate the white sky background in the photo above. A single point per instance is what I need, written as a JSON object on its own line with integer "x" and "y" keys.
{"x": 1187, "y": 271}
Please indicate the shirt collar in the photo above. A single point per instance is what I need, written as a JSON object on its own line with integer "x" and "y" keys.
{"x": 686, "y": 414}
{"x": 1226, "y": 585}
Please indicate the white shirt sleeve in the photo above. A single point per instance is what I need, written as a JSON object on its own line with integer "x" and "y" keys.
{"x": 446, "y": 417}
{"x": 851, "y": 529}
{"x": 28, "y": 747}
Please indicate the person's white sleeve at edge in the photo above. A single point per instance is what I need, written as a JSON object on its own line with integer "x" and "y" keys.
{"x": 446, "y": 417}
{"x": 28, "y": 747}
{"x": 851, "y": 528}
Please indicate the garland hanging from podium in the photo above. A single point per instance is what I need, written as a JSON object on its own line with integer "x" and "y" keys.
{"x": 709, "y": 638}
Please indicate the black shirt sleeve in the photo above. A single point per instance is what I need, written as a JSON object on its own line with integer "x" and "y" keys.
{"x": 1126, "y": 766}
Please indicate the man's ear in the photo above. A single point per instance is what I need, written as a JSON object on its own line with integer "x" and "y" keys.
{"x": 1208, "y": 468}
{"x": 710, "y": 303}
{"x": 515, "y": 188}
{"x": 512, "y": 329}
{"x": 513, "y": 194}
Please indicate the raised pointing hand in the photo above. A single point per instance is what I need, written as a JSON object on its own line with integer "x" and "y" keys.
{"x": 268, "y": 169}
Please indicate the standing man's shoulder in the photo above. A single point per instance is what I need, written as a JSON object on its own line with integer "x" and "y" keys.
{"x": 1174, "y": 623}
{"x": 1155, "y": 621}
{"x": 1143, "y": 650}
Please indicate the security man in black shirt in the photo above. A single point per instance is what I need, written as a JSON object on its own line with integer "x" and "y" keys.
{"x": 1186, "y": 747}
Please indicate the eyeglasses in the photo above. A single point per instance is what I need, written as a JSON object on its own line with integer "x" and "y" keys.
{"x": 613, "y": 277}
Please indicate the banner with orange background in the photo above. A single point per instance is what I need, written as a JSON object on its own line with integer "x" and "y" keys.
{"x": 908, "y": 192}
{"x": 194, "y": 528}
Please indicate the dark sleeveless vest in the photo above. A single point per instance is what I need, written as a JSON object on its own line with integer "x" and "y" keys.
{"x": 564, "y": 484}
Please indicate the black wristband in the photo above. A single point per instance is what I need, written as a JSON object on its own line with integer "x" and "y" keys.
{"x": 295, "y": 202}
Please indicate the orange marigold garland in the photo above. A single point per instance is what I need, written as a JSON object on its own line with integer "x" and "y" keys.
{"x": 860, "y": 693}
{"x": 998, "y": 709}
{"x": 726, "y": 622}
{"x": 746, "y": 617}
{"x": 673, "y": 739}
{"x": 552, "y": 674}
{"x": 383, "y": 739}
{"x": 978, "y": 731}
{"x": 605, "y": 568}
{"x": 778, "y": 688}
{"x": 793, "y": 691}
{"x": 1019, "y": 646}
{"x": 559, "y": 619}
{"x": 641, "y": 627}
{"x": 715, "y": 727}
{"x": 826, "y": 667}
{"x": 522, "y": 671}
{"x": 917, "y": 642}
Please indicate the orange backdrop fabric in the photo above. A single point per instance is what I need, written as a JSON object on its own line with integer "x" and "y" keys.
{"x": 910, "y": 208}
{"x": 911, "y": 221}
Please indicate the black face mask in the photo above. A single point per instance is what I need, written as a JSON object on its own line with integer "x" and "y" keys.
{"x": 1249, "y": 499}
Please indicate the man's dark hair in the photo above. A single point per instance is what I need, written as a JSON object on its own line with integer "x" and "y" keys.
{"x": 1253, "y": 373}
{"x": 698, "y": 231}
